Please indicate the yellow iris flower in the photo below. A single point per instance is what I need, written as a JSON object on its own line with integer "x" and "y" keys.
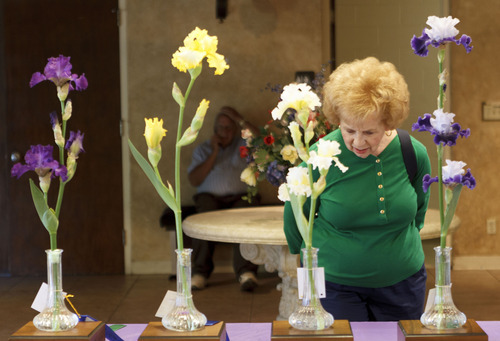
{"x": 198, "y": 45}
{"x": 154, "y": 132}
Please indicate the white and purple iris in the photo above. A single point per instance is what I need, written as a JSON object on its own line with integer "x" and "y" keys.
{"x": 442, "y": 31}
{"x": 442, "y": 127}
{"x": 39, "y": 159}
{"x": 58, "y": 71}
{"x": 453, "y": 174}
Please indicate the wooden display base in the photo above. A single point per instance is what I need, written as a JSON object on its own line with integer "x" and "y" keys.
{"x": 91, "y": 331}
{"x": 414, "y": 330}
{"x": 340, "y": 331}
{"x": 156, "y": 331}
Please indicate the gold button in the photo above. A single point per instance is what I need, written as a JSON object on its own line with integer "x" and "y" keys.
{"x": 379, "y": 173}
{"x": 377, "y": 161}
{"x": 382, "y": 211}
{"x": 380, "y": 186}
{"x": 381, "y": 198}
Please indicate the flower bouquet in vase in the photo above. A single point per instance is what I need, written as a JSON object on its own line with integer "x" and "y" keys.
{"x": 270, "y": 153}
{"x": 306, "y": 182}
{"x": 198, "y": 45}
{"x": 441, "y": 312}
{"x": 55, "y": 316}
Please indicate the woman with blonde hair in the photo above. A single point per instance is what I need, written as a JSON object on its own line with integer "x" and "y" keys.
{"x": 368, "y": 219}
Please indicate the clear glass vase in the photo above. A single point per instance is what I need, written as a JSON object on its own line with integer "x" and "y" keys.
{"x": 184, "y": 316}
{"x": 56, "y": 316}
{"x": 442, "y": 313}
{"x": 310, "y": 314}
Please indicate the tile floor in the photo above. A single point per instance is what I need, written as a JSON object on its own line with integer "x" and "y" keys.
{"x": 135, "y": 299}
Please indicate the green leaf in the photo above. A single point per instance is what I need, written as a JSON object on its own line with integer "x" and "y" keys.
{"x": 177, "y": 94}
{"x": 165, "y": 193}
{"x": 46, "y": 214}
{"x": 297, "y": 202}
{"x": 187, "y": 138}
{"x": 450, "y": 210}
{"x": 50, "y": 221}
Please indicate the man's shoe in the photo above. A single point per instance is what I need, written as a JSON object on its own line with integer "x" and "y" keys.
{"x": 248, "y": 281}
{"x": 198, "y": 282}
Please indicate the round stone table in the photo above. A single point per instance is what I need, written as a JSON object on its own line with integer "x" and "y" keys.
{"x": 259, "y": 231}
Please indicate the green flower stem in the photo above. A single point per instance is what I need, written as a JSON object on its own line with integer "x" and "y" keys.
{"x": 441, "y": 192}
{"x": 440, "y": 273}
{"x": 178, "y": 212}
{"x": 311, "y": 211}
{"x": 63, "y": 131}
{"x": 440, "y": 56}
{"x": 53, "y": 236}
{"x": 53, "y": 240}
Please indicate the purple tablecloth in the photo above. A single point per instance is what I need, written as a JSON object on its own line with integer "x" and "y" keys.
{"x": 362, "y": 331}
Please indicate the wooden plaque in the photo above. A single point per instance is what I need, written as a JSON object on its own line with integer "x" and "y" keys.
{"x": 91, "y": 331}
{"x": 340, "y": 331}
{"x": 156, "y": 331}
{"x": 414, "y": 330}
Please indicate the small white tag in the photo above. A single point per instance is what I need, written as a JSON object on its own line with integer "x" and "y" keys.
{"x": 41, "y": 298}
{"x": 167, "y": 304}
{"x": 319, "y": 280}
{"x": 430, "y": 299}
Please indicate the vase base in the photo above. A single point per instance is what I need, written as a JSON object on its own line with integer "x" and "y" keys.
{"x": 340, "y": 330}
{"x": 156, "y": 331}
{"x": 55, "y": 320}
{"x": 184, "y": 319}
{"x": 415, "y": 330}
{"x": 90, "y": 331}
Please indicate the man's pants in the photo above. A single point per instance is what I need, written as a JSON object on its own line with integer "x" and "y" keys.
{"x": 203, "y": 250}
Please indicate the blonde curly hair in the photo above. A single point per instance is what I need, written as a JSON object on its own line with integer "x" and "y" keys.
{"x": 360, "y": 88}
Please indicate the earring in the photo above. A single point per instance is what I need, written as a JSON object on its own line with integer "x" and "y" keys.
{"x": 390, "y": 133}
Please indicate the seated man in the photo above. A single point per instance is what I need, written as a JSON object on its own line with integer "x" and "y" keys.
{"x": 215, "y": 170}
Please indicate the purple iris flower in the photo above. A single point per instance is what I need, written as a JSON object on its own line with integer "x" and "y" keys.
{"x": 275, "y": 173}
{"x": 466, "y": 180}
{"x": 427, "y": 181}
{"x": 447, "y": 137}
{"x": 39, "y": 159}
{"x": 75, "y": 143}
{"x": 58, "y": 70}
{"x": 420, "y": 44}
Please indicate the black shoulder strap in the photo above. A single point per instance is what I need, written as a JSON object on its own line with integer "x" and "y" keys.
{"x": 408, "y": 154}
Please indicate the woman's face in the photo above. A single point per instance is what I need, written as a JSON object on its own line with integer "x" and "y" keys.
{"x": 364, "y": 137}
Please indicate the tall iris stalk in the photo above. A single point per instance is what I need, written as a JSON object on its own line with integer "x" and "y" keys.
{"x": 300, "y": 185}
{"x": 39, "y": 158}
{"x": 440, "y": 124}
{"x": 198, "y": 45}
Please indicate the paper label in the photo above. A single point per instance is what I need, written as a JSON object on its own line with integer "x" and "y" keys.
{"x": 167, "y": 304}
{"x": 430, "y": 299}
{"x": 41, "y": 298}
{"x": 319, "y": 281}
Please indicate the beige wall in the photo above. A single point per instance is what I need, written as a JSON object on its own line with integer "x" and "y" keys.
{"x": 267, "y": 41}
{"x": 263, "y": 41}
{"x": 475, "y": 79}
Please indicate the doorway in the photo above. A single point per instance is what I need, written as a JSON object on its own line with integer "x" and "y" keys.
{"x": 91, "y": 220}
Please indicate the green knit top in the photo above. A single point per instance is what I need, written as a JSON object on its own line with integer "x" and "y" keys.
{"x": 368, "y": 219}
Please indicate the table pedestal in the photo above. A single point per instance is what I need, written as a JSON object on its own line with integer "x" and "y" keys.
{"x": 90, "y": 331}
{"x": 414, "y": 330}
{"x": 340, "y": 331}
{"x": 156, "y": 331}
{"x": 277, "y": 258}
